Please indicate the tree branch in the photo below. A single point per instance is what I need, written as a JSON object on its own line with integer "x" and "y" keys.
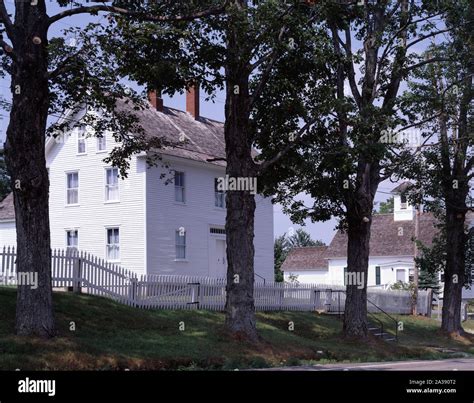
{"x": 5, "y": 19}
{"x": 7, "y": 48}
{"x": 430, "y": 35}
{"x": 266, "y": 74}
{"x": 421, "y": 122}
{"x": 424, "y": 62}
{"x": 351, "y": 72}
{"x": 64, "y": 65}
{"x": 137, "y": 15}
{"x": 298, "y": 139}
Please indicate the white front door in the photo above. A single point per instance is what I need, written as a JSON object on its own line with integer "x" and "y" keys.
{"x": 220, "y": 262}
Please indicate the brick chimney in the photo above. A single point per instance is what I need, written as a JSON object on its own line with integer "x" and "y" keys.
{"x": 155, "y": 100}
{"x": 192, "y": 101}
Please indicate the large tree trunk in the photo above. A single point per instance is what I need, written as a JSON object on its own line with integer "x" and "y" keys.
{"x": 454, "y": 275}
{"x": 25, "y": 157}
{"x": 355, "y": 311}
{"x": 240, "y": 307}
{"x": 359, "y": 221}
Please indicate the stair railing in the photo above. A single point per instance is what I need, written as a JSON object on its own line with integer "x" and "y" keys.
{"x": 391, "y": 318}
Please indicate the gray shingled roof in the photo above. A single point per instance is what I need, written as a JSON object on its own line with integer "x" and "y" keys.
{"x": 385, "y": 239}
{"x": 388, "y": 238}
{"x": 204, "y": 137}
{"x": 307, "y": 258}
{"x": 7, "y": 210}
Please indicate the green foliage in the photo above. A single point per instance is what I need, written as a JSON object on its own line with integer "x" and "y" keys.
{"x": 301, "y": 239}
{"x": 283, "y": 244}
{"x": 401, "y": 285}
{"x": 90, "y": 67}
{"x": 432, "y": 260}
{"x": 280, "y": 252}
{"x": 4, "y": 178}
{"x": 386, "y": 207}
{"x": 342, "y": 146}
{"x": 428, "y": 280}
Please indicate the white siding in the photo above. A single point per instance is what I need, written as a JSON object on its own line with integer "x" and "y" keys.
{"x": 146, "y": 213}
{"x": 196, "y": 216}
{"x": 400, "y": 214}
{"x": 263, "y": 240}
{"x": 7, "y": 233}
{"x": 92, "y": 216}
{"x": 309, "y": 276}
{"x": 335, "y": 273}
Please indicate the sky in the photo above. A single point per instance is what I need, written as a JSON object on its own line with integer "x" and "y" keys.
{"x": 323, "y": 231}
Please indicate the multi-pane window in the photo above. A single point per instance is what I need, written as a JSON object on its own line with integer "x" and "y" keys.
{"x": 179, "y": 186}
{"x": 111, "y": 184}
{"x": 81, "y": 140}
{"x": 377, "y": 275}
{"x": 101, "y": 143}
{"x": 72, "y": 188}
{"x": 180, "y": 244}
{"x": 72, "y": 238}
{"x": 219, "y": 195}
{"x": 113, "y": 244}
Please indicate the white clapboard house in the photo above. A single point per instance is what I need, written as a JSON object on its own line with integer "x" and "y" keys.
{"x": 159, "y": 220}
{"x": 391, "y": 250}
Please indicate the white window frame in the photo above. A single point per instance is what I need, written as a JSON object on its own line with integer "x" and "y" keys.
{"x": 69, "y": 247}
{"x": 68, "y": 189}
{"x": 107, "y": 245}
{"x": 180, "y": 246}
{"x": 81, "y": 137}
{"x": 101, "y": 140}
{"x": 219, "y": 196}
{"x": 180, "y": 188}
{"x": 108, "y": 186}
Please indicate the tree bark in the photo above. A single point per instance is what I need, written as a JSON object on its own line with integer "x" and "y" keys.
{"x": 454, "y": 275}
{"x": 240, "y": 307}
{"x": 359, "y": 221}
{"x": 25, "y": 157}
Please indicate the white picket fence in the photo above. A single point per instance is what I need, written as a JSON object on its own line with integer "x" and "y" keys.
{"x": 88, "y": 274}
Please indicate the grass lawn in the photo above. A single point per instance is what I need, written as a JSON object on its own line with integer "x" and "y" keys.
{"x": 111, "y": 336}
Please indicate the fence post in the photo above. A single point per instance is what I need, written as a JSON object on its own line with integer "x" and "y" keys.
{"x": 317, "y": 299}
{"x": 77, "y": 275}
{"x": 429, "y": 297}
{"x": 282, "y": 295}
{"x": 132, "y": 291}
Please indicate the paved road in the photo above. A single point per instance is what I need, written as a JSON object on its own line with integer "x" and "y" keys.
{"x": 454, "y": 364}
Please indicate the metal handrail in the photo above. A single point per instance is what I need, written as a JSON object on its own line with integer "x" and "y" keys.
{"x": 387, "y": 315}
{"x": 263, "y": 278}
{"x": 377, "y": 320}
{"x": 380, "y": 309}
